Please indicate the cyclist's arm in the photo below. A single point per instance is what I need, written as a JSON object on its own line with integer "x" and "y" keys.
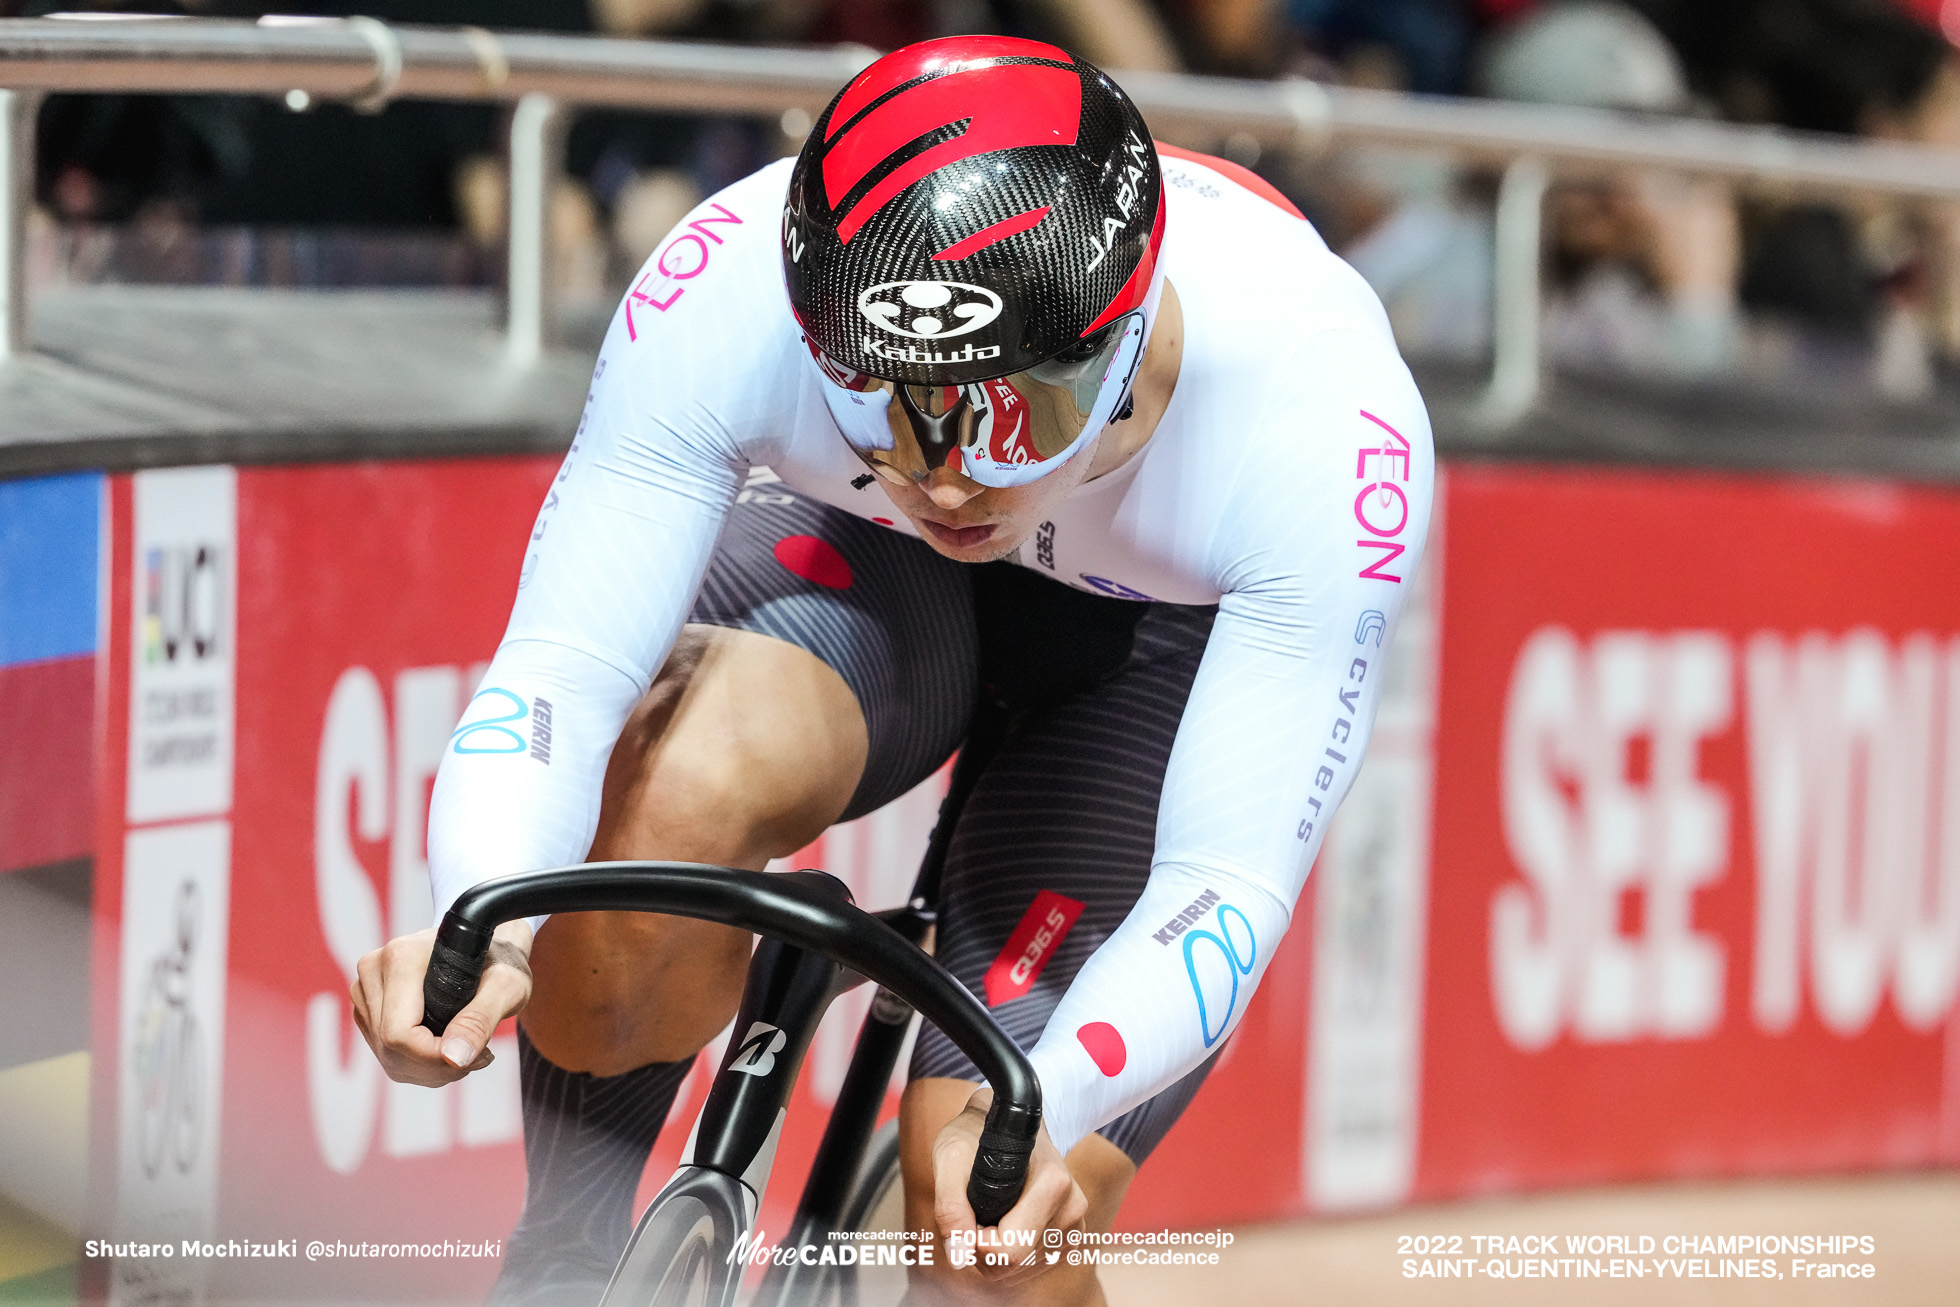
{"x": 682, "y": 398}
{"x": 1273, "y": 733}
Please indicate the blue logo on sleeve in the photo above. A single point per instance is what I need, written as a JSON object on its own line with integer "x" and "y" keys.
{"x": 1237, "y": 961}
{"x": 493, "y": 734}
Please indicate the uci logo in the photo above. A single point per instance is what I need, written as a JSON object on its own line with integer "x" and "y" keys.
{"x": 928, "y": 310}
{"x": 183, "y": 602}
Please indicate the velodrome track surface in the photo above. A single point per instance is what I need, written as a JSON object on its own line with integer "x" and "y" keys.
{"x": 1914, "y": 1218}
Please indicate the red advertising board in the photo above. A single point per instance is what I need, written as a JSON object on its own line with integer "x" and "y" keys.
{"x": 1654, "y": 869}
{"x": 1695, "y": 897}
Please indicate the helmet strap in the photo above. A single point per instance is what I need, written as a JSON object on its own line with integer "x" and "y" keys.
{"x": 1152, "y": 298}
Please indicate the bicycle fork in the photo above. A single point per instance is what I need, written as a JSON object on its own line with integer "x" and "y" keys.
{"x": 725, "y": 1166}
{"x": 853, "y": 1118}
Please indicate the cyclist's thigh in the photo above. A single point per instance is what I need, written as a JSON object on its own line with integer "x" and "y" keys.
{"x": 744, "y": 749}
{"x": 890, "y": 616}
{"x": 1065, "y": 819}
{"x": 828, "y": 667}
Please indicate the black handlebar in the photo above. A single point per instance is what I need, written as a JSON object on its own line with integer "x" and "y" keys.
{"x": 787, "y": 909}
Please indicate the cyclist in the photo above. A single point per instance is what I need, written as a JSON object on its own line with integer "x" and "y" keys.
{"x": 1098, "y": 428}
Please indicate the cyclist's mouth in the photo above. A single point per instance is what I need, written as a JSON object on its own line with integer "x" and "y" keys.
{"x": 958, "y": 537}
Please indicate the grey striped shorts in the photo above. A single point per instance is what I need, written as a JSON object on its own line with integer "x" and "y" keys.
{"x": 1065, "y": 815}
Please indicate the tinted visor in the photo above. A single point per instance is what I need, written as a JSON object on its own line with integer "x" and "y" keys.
{"x": 1007, "y": 431}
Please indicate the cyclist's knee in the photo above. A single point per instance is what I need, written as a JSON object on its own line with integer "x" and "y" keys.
{"x": 617, "y": 990}
{"x": 744, "y": 749}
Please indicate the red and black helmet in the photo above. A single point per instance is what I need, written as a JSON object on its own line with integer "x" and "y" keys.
{"x": 968, "y": 208}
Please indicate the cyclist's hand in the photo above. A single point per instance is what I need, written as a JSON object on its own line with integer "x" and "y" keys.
{"x": 1051, "y": 1200}
{"x": 387, "y": 993}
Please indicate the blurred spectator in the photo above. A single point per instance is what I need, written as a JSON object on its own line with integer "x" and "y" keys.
{"x": 1644, "y": 266}
{"x": 1109, "y": 33}
{"x": 646, "y": 209}
{"x": 1870, "y": 273}
{"x": 1589, "y": 52}
{"x": 1424, "y": 246}
{"x": 1420, "y": 45}
{"x": 1238, "y": 37}
{"x": 482, "y": 199}
{"x": 243, "y": 189}
{"x": 1401, "y": 217}
{"x": 1818, "y": 65}
{"x": 579, "y": 249}
{"x": 644, "y": 17}
{"x": 1428, "y": 41}
{"x": 238, "y": 160}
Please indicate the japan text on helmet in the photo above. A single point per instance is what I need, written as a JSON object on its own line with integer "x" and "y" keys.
{"x": 971, "y": 246}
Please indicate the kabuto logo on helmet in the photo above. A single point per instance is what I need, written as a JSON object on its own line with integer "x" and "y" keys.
{"x": 967, "y": 353}
{"x": 928, "y": 310}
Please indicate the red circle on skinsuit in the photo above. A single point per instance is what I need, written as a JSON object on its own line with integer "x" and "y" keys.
{"x": 814, "y": 560}
{"x": 1105, "y": 1046}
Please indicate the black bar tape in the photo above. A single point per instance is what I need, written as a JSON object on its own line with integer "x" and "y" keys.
{"x": 450, "y": 984}
{"x": 1000, "y": 1167}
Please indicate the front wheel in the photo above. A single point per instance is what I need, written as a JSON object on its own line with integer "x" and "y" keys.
{"x": 684, "y": 1252}
{"x": 877, "y": 1201}
{"x": 876, "y": 1206}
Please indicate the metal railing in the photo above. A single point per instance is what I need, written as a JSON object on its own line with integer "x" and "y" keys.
{"x": 367, "y": 63}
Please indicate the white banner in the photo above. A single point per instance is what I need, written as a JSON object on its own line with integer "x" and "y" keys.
{"x": 175, "y": 935}
{"x": 184, "y": 573}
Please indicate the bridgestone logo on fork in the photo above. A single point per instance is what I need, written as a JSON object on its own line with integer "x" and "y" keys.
{"x": 757, "y": 1055}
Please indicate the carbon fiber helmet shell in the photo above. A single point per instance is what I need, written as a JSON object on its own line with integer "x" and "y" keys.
{"x": 968, "y": 208}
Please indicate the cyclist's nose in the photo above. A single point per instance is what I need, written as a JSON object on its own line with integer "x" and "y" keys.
{"x": 948, "y": 489}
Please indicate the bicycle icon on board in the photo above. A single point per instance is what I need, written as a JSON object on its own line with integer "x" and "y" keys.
{"x": 168, "y": 1057}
